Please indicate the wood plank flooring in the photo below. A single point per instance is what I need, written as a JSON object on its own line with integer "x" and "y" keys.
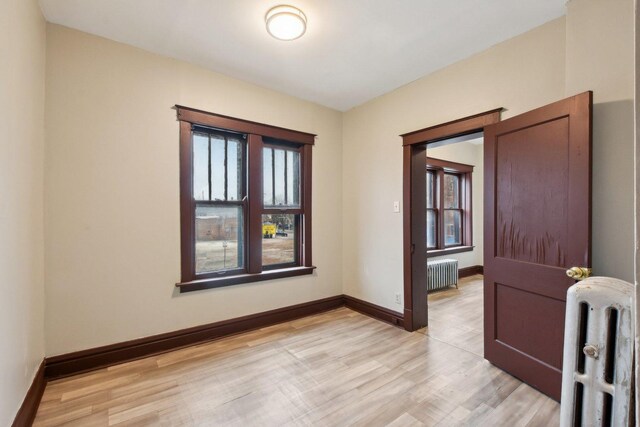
{"x": 333, "y": 369}
{"x": 456, "y": 315}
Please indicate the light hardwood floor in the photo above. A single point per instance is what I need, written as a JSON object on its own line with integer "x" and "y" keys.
{"x": 337, "y": 368}
{"x": 455, "y": 315}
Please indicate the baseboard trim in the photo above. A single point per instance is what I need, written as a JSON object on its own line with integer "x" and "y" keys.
{"x": 27, "y": 412}
{"x": 100, "y": 357}
{"x": 470, "y": 271}
{"x": 375, "y": 311}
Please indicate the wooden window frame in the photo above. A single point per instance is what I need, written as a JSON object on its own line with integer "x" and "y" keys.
{"x": 464, "y": 173}
{"x": 258, "y": 136}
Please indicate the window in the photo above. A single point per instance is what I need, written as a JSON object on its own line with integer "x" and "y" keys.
{"x": 448, "y": 206}
{"x": 245, "y": 201}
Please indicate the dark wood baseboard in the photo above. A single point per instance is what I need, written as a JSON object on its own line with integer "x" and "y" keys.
{"x": 470, "y": 271}
{"x": 108, "y": 355}
{"x": 27, "y": 412}
{"x": 375, "y": 311}
{"x": 99, "y": 357}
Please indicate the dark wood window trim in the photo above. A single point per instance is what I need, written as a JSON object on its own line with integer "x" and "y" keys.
{"x": 218, "y": 121}
{"x": 464, "y": 172}
{"x": 449, "y": 251}
{"x": 258, "y": 136}
{"x": 197, "y": 285}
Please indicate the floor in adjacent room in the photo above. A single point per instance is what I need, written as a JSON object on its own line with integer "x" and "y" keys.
{"x": 455, "y": 315}
{"x": 335, "y": 368}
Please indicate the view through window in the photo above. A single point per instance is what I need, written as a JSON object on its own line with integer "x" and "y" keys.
{"x": 246, "y": 215}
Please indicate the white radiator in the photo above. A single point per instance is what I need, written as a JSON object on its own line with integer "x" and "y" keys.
{"x": 598, "y": 354}
{"x": 442, "y": 273}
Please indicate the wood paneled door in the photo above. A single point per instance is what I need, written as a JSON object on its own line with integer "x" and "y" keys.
{"x": 537, "y": 225}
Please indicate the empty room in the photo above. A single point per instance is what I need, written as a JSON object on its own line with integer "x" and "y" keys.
{"x": 331, "y": 213}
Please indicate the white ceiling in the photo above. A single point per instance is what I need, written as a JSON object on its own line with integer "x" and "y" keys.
{"x": 353, "y": 51}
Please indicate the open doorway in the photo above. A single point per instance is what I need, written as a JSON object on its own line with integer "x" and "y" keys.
{"x": 536, "y": 220}
{"x": 415, "y": 253}
{"x": 454, "y": 222}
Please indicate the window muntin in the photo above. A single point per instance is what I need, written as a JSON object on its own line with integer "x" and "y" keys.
{"x": 448, "y": 204}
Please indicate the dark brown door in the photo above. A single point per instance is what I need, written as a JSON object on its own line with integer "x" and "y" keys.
{"x": 537, "y": 225}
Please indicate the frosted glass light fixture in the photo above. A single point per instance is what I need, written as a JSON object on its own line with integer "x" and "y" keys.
{"x": 286, "y": 22}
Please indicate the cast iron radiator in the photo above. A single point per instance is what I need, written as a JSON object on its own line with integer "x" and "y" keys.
{"x": 597, "y": 374}
{"x": 442, "y": 273}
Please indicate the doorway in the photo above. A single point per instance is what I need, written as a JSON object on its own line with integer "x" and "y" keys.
{"x": 454, "y": 207}
{"x": 416, "y": 145}
{"x": 537, "y": 225}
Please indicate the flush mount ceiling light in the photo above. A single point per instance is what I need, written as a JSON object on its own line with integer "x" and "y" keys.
{"x": 286, "y": 22}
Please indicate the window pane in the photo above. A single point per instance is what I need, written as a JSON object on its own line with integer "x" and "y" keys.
{"x": 293, "y": 178}
{"x": 200, "y": 166}
{"x": 430, "y": 182}
{"x": 431, "y": 229}
{"x": 281, "y": 177}
{"x": 219, "y": 232}
{"x": 267, "y": 180}
{"x": 217, "y": 167}
{"x": 451, "y": 191}
{"x": 452, "y": 228}
{"x": 278, "y": 166}
{"x": 234, "y": 169}
{"x": 278, "y": 239}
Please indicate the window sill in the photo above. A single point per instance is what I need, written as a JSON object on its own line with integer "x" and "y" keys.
{"x": 448, "y": 251}
{"x": 218, "y": 282}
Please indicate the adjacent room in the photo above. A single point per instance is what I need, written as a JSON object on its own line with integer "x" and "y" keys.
{"x": 223, "y": 212}
{"x": 454, "y": 207}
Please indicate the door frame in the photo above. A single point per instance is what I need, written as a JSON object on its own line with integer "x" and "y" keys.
{"x": 414, "y": 215}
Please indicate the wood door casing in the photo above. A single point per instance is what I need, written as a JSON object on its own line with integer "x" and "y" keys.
{"x": 537, "y": 224}
{"x": 414, "y": 215}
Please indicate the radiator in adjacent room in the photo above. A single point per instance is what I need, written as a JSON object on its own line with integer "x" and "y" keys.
{"x": 442, "y": 273}
{"x": 597, "y": 374}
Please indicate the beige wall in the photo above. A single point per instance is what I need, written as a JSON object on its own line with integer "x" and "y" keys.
{"x": 590, "y": 49}
{"x": 22, "y": 49}
{"x": 601, "y": 58}
{"x": 470, "y": 154}
{"x": 111, "y": 176}
{"x": 111, "y": 193}
{"x": 520, "y": 74}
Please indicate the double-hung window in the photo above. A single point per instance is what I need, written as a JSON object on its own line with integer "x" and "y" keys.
{"x": 449, "y": 216}
{"x": 245, "y": 201}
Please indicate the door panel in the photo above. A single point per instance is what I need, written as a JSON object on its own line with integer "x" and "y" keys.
{"x": 532, "y": 224}
{"x": 537, "y": 225}
{"x": 528, "y": 337}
